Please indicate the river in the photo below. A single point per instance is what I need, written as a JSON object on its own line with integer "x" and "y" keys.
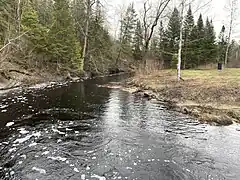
{"x": 81, "y": 131}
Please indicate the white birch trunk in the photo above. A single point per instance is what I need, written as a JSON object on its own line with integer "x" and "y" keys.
{"x": 233, "y": 4}
{"x": 180, "y": 45}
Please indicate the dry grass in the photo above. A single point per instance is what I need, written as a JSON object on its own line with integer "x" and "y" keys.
{"x": 200, "y": 86}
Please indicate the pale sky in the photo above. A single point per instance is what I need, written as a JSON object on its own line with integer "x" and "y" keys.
{"x": 216, "y": 9}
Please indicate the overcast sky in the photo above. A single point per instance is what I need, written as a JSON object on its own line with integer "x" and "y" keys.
{"x": 216, "y": 10}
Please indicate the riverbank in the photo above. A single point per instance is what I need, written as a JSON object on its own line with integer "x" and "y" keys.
{"x": 209, "y": 95}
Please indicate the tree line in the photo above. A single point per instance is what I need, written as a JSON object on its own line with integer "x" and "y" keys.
{"x": 71, "y": 35}
{"x": 201, "y": 46}
{"x": 53, "y": 34}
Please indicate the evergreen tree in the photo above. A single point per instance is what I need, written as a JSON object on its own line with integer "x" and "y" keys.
{"x": 199, "y": 42}
{"x": 187, "y": 48}
{"x": 63, "y": 46}
{"x": 222, "y": 44}
{"x": 172, "y": 35}
{"x": 36, "y": 33}
{"x": 209, "y": 43}
{"x": 128, "y": 24}
{"x": 138, "y": 42}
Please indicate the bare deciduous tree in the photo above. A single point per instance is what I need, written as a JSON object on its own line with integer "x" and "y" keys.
{"x": 180, "y": 42}
{"x": 149, "y": 25}
{"x": 233, "y": 8}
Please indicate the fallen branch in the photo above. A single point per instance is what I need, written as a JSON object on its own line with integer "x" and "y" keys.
{"x": 11, "y": 40}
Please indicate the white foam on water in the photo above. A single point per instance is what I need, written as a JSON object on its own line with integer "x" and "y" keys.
{"x": 87, "y": 168}
{"x": 12, "y": 149}
{"x": 167, "y": 161}
{"x": 22, "y": 140}
{"x": 94, "y": 157}
{"x": 129, "y": 168}
{"x": 76, "y": 170}
{"x": 58, "y": 158}
{"x": 3, "y": 106}
{"x": 4, "y": 110}
{"x": 83, "y": 177}
{"x": 12, "y": 173}
{"x": 134, "y": 164}
{"x": 37, "y": 134}
{"x": 32, "y": 144}
{"x": 45, "y": 153}
{"x": 59, "y": 140}
{"x": 41, "y": 171}
{"x": 23, "y": 131}
{"x": 9, "y": 124}
{"x": 98, "y": 177}
{"x": 57, "y": 131}
{"x": 71, "y": 165}
{"x": 20, "y": 162}
{"x": 23, "y": 156}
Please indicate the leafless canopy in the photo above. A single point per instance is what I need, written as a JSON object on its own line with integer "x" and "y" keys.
{"x": 150, "y": 25}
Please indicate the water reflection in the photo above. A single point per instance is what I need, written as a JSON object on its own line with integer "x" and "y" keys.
{"x": 81, "y": 131}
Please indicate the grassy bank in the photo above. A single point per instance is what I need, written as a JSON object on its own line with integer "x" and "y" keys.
{"x": 209, "y": 95}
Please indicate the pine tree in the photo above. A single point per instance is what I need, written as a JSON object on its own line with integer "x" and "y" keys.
{"x": 209, "y": 43}
{"x": 36, "y": 33}
{"x": 138, "y": 42}
{"x": 172, "y": 35}
{"x": 222, "y": 44}
{"x": 62, "y": 42}
{"x": 187, "y": 48}
{"x": 128, "y": 25}
{"x": 199, "y": 42}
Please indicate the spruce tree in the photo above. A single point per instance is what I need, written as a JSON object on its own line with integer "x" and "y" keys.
{"x": 222, "y": 44}
{"x": 128, "y": 24}
{"x": 138, "y": 42}
{"x": 172, "y": 34}
{"x": 199, "y": 42}
{"x": 209, "y": 43}
{"x": 36, "y": 33}
{"x": 187, "y": 48}
{"x": 62, "y": 41}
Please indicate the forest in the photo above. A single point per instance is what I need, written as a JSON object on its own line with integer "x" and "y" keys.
{"x": 73, "y": 36}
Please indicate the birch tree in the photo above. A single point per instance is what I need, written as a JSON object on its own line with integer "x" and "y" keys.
{"x": 180, "y": 41}
{"x": 233, "y": 9}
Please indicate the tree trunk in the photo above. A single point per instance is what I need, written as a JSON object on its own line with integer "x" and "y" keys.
{"x": 84, "y": 54}
{"x": 230, "y": 31}
{"x": 180, "y": 45}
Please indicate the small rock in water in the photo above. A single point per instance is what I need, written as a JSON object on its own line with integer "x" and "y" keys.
{"x": 87, "y": 168}
{"x": 4, "y": 110}
{"x": 9, "y": 124}
{"x": 12, "y": 173}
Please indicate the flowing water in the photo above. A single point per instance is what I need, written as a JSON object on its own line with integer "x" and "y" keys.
{"x": 81, "y": 131}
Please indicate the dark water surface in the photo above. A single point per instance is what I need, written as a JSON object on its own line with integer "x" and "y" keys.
{"x": 80, "y": 131}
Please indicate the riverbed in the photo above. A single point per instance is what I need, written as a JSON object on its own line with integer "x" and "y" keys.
{"x": 81, "y": 130}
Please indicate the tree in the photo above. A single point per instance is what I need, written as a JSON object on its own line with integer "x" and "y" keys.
{"x": 222, "y": 43}
{"x": 127, "y": 28}
{"x": 187, "y": 30}
{"x": 209, "y": 43}
{"x": 138, "y": 42}
{"x": 199, "y": 42}
{"x": 63, "y": 46}
{"x": 180, "y": 42}
{"x": 172, "y": 35}
{"x": 150, "y": 22}
{"x": 36, "y": 33}
{"x": 233, "y": 8}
